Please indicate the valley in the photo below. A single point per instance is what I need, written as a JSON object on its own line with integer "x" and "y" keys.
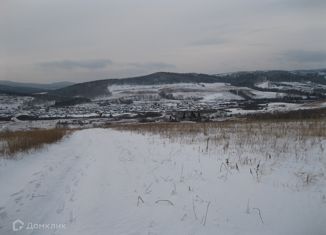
{"x": 171, "y": 97}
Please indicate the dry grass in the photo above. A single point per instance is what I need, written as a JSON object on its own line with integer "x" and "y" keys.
{"x": 244, "y": 137}
{"x": 277, "y": 128}
{"x": 256, "y": 146}
{"x": 12, "y": 143}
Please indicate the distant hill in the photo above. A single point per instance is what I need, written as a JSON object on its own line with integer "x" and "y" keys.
{"x": 246, "y": 79}
{"x": 25, "y": 91}
{"x": 51, "y": 86}
{"x": 100, "y": 87}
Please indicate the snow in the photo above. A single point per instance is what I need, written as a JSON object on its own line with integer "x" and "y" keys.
{"x": 307, "y": 87}
{"x": 18, "y": 125}
{"x": 280, "y": 106}
{"x": 9, "y": 104}
{"x": 240, "y": 111}
{"x": 221, "y": 96}
{"x": 155, "y": 88}
{"x": 207, "y": 91}
{"x": 265, "y": 85}
{"x": 266, "y": 94}
{"x": 102, "y": 181}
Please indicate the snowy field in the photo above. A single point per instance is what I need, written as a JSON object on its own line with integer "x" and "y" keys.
{"x": 236, "y": 179}
{"x": 307, "y": 87}
{"x": 205, "y": 91}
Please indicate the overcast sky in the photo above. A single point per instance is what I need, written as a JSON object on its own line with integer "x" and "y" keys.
{"x": 81, "y": 40}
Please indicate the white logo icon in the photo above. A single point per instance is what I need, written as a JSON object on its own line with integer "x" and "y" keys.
{"x": 17, "y": 225}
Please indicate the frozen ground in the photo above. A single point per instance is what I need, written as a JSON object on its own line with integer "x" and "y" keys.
{"x": 102, "y": 181}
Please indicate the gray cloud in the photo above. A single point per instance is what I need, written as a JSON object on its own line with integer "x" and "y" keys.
{"x": 306, "y": 56}
{"x": 86, "y": 70}
{"x": 153, "y": 66}
{"x": 94, "y": 64}
{"x": 306, "y": 3}
{"x": 73, "y": 38}
{"x": 75, "y": 64}
{"x": 210, "y": 41}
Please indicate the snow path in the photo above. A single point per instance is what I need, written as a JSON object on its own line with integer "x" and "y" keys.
{"x": 102, "y": 181}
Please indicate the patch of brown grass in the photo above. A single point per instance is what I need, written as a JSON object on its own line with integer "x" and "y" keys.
{"x": 12, "y": 143}
{"x": 277, "y": 128}
{"x": 244, "y": 140}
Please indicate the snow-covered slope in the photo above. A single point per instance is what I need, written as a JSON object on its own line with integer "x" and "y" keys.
{"x": 101, "y": 181}
{"x": 180, "y": 91}
{"x": 299, "y": 86}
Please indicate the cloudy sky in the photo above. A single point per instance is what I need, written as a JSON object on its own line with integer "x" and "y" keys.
{"x": 81, "y": 40}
